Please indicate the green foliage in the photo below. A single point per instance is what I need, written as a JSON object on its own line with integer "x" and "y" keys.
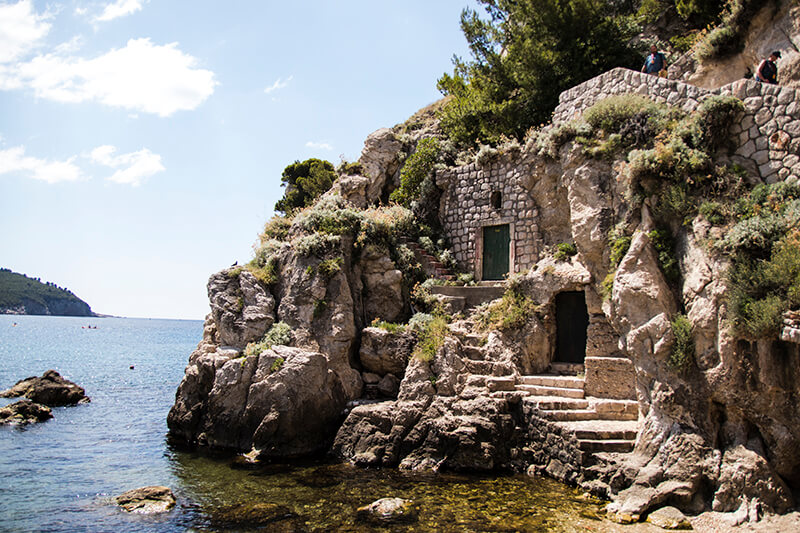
{"x": 728, "y": 36}
{"x": 15, "y": 289}
{"x": 664, "y": 245}
{"x": 714, "y": 212}
{"x": 329, "y": 216}
{"x": 391, "y": 327}
{"x": 329, "y": 267}
{"x": 564, "y": 251}
{"x": 682, "y": 353}
{"x": 716, "y": 115}
{"x": 266, "y": 272}
{"x": 233, "y": 273}
{"x": 317, "y": 244}
{"x": 702, "y": 11}
{"x": 512, "y": 311}
{"x": 431, "y": 332}
{"x": 618, "y": 246}
{"x": 611, "y": 113}
{"x": 424, "y": 301}
{"x": 523, "y": 57}
{"x": 276, "y": 228}
{"x": 305, "y": 182}
{"x": 279, "y": 334}
{"x": 276, "y": 365}
{"x": 755, "y": 236}
{"x": 319, "y": 308}
{"x": 350, "y": 169}
{"x": 415, "y": 169}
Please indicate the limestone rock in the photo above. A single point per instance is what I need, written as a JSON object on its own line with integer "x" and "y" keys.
{"x": 388, "y": 511}
{"x": 241, "y": 307}
{"x": 383, "y": 352}
{"x": 24, "y": 412}
{"x": 383, "y": 286}
{"x": 669, "y": 518}
{"x": 284, "y": 402}
{"x": 147, "y": 500}
{"x": 380, "y": 161}
{"x": 50, "y": 389}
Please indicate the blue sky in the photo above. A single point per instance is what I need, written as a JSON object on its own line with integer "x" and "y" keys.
{"x": 142, "y": 141}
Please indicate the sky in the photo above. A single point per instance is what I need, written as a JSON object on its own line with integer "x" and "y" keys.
{"x": 142, "y": 141}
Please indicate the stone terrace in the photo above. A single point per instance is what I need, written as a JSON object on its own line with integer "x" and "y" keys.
{"x": 768, "y": 134}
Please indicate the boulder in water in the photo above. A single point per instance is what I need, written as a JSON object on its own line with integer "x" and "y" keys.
{"x": 51, "y": 389}
{"x": 388, "y": 510}
{"x": 24, "y": 412}
{"x": 147, "y": 500}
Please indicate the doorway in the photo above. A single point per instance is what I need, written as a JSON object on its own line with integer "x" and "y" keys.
{"x": 496, "y": 245}
{"x": 572, "y": 321}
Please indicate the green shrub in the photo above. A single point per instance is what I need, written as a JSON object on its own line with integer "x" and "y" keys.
{"x": 664, "y": 245}
{"x": 714, "y": 212}
{"x": 755, "y": 235}
{"x": 266, "y": 273}
{"x": 317, "y": 244}
{"x": 391, "y": 327}
{"x": 304, "y": 182}
{"x": 329, "y": 267}
{"x": 350, "y": 169}
{"x": 276, "y": 365}
{"x": 431, "y": 333}
{"x": 611, "y": 113}
{"x": 276, "y": 228}
{"x": 512, "y": 311}
{"x": 234, "y": 273}
{"x": 717, "y": 114}
{"x": 418, "y": 165}
{"x": 330, "y": 216}
{"x": 564, "y": 251}
{"x": 682, "y": 353}
{"x": 279, "y": 334}
{"x": 618, "y": 248}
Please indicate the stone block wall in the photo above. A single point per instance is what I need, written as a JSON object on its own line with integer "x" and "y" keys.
{"x": 768, "y": 134}
{"x": 466, "y": 208}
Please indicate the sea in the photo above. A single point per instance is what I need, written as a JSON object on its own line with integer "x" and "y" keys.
{"x": 62, "y": 475}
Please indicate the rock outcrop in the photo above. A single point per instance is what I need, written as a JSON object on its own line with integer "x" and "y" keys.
{"x": 147, "y": 500}
{"x": 24, "y": 412}
{"x": 50, "y": 389}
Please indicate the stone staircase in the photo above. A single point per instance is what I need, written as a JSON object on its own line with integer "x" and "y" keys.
{"x": 432, "y": 266}
{"x": 599, "y": 424}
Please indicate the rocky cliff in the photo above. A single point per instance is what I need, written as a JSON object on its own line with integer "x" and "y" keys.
{"x": 642, "y": 197}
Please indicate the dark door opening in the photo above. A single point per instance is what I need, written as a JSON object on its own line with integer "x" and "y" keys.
{"x": 496, "y": 244}
{"x": 572, "y": 320}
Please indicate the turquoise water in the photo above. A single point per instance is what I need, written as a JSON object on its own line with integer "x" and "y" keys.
{"x": 61, "y": 475}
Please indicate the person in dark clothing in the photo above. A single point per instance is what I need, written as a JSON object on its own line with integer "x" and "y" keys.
{"x": 767, "y": 71}
{"x": 655, "y": 63}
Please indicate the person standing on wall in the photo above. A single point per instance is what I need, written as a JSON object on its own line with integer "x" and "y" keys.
{"x": 767, "y": 71}
{"x": 655, "y": 63}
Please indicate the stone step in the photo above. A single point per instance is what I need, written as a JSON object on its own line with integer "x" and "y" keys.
{"x": 488, "y": 368}
{"x": 552, "y": 403}
{"x": 616, "y": 409}
{"x": 617, "y": 446}
{"x": 501, "y": 383}
{"x": 471, "y": 339}
{"x": 474, "y": 353}
{"x": 602, "y": 429}
{"x": 564, "y": 382}
{"x": 572, "y": 415}
{"x": 566, "y": 369}
{"x": 538, "y": 390}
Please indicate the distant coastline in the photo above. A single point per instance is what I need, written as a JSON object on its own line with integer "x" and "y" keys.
{"x": 21, "y": 295}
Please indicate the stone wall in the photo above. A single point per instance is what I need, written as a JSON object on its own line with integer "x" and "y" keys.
{"x": 466, "y": 208}
{"x": 768, "y": 134}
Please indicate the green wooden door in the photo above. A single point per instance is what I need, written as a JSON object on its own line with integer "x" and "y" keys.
{"x": 496, "y": 241}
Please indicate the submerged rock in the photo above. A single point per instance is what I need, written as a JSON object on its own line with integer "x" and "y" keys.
{"x": 51, "y": 389}
{"x": 388, "y": 510}
{"x": 256, "y": 514}
{"x": 147, "y": 500}
{"x": 24, "y": 412}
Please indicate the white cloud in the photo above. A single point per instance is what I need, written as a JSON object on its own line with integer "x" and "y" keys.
{"x": 279, "y": 84}
{"x": 20, "y": 30}
{"x": 14, "y": 160}
{"x": 133, "y": 167}
{"x": 141, "y": 76}
{"x": 319, "y": 146}
{"x": 118, "y": 9}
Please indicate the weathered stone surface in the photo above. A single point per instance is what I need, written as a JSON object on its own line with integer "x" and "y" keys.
{"x": 380, "y": 162}
{"x": 284, "y": 402}
{"x": 669, "y": 518}
{"x": 147, "y": 500}
{"x": 388, "y": 511}
{"x": 50, "y": 389}
{"x": 383, "y": 352}
{"x": 383, "y": 286}
{"x": 241, "y": 307}
{"x": 24, "y": 412}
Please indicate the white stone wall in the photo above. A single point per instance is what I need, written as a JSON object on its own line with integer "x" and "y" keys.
{"x": 466, "y": 209}
{"x": 768, "y": 134}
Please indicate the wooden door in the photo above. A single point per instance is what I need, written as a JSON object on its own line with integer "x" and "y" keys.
{"x": 496, "y": 243}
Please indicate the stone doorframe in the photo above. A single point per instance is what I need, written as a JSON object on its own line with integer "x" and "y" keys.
{"x": 478, "y": 240}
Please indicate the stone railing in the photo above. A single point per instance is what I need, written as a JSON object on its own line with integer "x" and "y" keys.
{"x": 768, "y": 133}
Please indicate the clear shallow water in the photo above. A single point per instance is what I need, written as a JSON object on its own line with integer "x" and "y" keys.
{"x": 61, "y": 475}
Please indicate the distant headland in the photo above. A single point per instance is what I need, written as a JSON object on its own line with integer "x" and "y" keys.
{"x": 21, "y": 295}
